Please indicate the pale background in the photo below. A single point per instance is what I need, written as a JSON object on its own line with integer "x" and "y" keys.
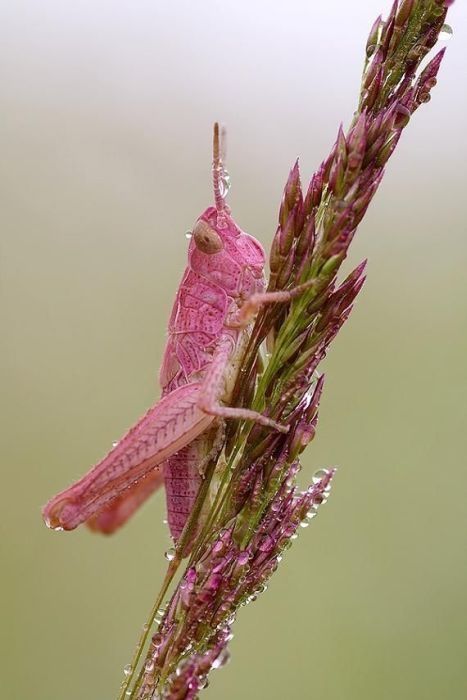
{"x": 106, "y": 111}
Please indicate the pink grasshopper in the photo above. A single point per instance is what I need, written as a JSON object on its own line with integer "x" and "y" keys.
{"x": 220, "y": 293}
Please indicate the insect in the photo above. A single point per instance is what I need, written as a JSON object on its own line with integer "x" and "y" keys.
{"x": 221, "y": 291}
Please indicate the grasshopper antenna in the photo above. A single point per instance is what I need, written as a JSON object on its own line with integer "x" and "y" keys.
{"x": 223, "y": 146}
{"x": 219, "y": 174}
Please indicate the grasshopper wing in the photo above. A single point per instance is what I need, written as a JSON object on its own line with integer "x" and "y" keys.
{"x": 169, "y": 425}
{"x": 116, "y": 514}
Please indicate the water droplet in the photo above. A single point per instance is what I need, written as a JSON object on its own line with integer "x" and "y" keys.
{"x": 222, "y": 659}
{"x": 224, "y": 183}
{"x": 319, "y": 475}
{"x": 445, "y": 33}
{"x": 149, "y": 666}
{"x": 161, "y": 612}
{"x": 243, "y": 558}
{"x": 55, "y": 528}
{"x": 115, "y": 443}
{"x": 157, "y": 640}
{"x": 203, "y": 682}
{"x": 128, "y": 669}
{"x": 304, "y": 523}
{"x": 170, "y": 554}
{"x": 188, "y": 235}
{"x": 266, "y": 544}
{"x": 128, "y": 693}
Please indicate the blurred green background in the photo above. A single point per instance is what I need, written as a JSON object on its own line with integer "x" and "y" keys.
{"x": 106, "y": 112}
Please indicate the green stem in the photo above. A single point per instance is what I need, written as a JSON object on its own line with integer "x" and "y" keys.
{"x": 171, "y": 571}
{"x": 182, "y": 544}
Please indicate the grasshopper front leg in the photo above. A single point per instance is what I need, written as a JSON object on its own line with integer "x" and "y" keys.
{"x": 165, "y": 429}
{"x": 252, "y": 304}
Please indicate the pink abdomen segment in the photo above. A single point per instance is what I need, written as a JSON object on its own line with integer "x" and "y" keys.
{"x": 182, "y": 478}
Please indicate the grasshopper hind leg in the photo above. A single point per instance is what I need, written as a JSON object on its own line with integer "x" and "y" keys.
{"x": 122, "y": 508}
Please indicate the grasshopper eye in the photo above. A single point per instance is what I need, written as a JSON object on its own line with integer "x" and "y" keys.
{"x": 206, "y": 239}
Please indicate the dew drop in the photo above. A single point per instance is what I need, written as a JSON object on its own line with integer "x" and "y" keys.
{"x": 55, "y": 528}
{"x": 115, "y": 443}
{"x": 170, "y": 554}
{"x": 224, "y": 183}
{"x": 446, "y": 32}
{"x": 149, "y": 666}
{"x": 266, "y": 544}
{"x": 203, "y": 682}
{"x": 222, "y": 659}
{"x": 128, "y": 669}
{"x": 243, "y": 558}
{"x": 188, "y": 235}
{"x": 157, "y": 640}
{"x": 319, "y": 475}
{"x": 304, "y": 523}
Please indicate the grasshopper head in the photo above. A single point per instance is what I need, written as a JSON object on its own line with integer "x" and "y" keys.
{"x": 215, "y": 230}
{"x": 215, "y": 225}
{"x": 219, "y": 249}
